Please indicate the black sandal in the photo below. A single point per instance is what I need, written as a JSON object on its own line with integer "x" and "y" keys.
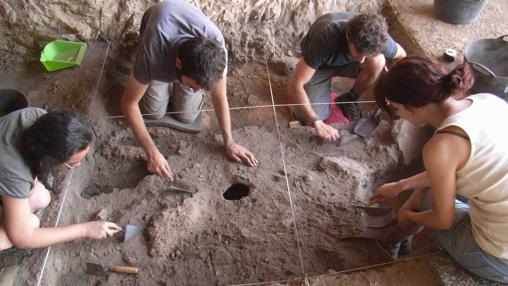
{"x": 350, "y": 110}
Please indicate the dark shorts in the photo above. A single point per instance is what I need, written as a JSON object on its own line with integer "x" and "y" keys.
{"x": 319, "y": 87}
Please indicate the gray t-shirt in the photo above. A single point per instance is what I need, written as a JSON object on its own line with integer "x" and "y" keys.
{"x": 325, "y": 45}
{"x": 16, "y": 178}
{"x": 163, "y": 27}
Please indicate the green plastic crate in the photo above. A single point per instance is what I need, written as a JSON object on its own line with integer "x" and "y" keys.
{"x": 60, "y": 54}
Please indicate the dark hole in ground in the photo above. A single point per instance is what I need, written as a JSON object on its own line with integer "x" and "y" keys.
{"x": 236, "y": 192}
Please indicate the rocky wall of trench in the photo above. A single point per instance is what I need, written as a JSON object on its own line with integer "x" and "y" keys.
{"x": 249, "y": 26}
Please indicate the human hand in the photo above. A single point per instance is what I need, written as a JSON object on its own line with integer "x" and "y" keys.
{"x": 325, "y": 131}
{"x": 158, "y": 165}
{"x": 413, "y": 203}
{"x": 385, "y": 192}
{"x": 241, "y": 154}
{"x": 403, "y": 218}
{"x": 100, "y": 229}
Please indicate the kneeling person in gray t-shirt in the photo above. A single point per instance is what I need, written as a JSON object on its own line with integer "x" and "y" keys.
{"x": 181, "y": 53}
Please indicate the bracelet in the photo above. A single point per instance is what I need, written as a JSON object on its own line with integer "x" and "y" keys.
{"x": 310, "y": 122}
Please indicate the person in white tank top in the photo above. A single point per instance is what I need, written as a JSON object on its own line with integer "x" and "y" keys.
{"x": 467, "y": 158}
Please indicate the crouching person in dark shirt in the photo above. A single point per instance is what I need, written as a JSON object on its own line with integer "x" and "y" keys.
{"x": 339, "y": 44}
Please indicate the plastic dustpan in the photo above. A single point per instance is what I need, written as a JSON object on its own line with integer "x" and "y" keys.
{"x": 377, "y": 217}
{"x": 60, "y": 54}
{"x": 367, "y": 125}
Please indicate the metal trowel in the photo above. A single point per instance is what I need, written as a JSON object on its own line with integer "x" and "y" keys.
{"x": 390, "y": 234}
{"x": 377, "y": 217}
{"x": 131, "y": 230}
{"x": 382, "y": 225}
{"x": 180, "y": 187}
{"x": 97, "y": 269}
{"x": 367, "y": 125}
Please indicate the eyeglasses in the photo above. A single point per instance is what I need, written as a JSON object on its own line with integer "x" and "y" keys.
{"x": 71, "y": 166}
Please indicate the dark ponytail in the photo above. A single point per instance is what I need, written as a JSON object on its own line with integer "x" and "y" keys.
{"x": 416, "y": 81}
{"x": 458, "y": 81}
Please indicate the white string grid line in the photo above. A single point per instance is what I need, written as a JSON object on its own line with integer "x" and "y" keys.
{"x": 41, "y": 272}
{"x": 100, "y": 73}
{"x": 402, "y": 260}
{"x": 285, "y": 169}
{"x": 254, "y": 106}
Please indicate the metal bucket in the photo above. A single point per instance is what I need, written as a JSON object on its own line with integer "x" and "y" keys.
{"x": 11, "y": 100}
{"x": 458, "y": 11}
{"x": 489, "y": 59}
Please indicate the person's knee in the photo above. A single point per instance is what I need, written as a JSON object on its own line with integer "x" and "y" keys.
{"x": 5, "y": 243}
{"x": 36, "y": 222}
{"x": 40, "y": 197}
{"x": 186, "y": 117}
{"x": 153, "y": 109}
{"x": 375, "y": 64}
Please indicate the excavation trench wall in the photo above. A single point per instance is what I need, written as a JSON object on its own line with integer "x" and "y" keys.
{"x": 272, "y": 27}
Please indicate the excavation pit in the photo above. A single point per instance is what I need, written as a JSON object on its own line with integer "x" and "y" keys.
{"x": 282, "y": 231}
{"x": 236, "y": 191}
{"x": 201, "y": 234}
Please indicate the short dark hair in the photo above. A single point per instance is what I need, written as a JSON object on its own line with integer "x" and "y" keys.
{"x": 203, "y": 60}
{"x": 368, "y": 33}
{"x": 52, "y": 140}
{"x": 416, "y": 81}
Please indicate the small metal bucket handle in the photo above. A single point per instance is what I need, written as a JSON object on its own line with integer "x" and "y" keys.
{"x": 483, "y": 69}
{"x": 502, "y": 38}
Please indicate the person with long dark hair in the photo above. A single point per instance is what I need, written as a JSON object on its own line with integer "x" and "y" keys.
{"x": 33, "y": 143}
{"x": 463, "y": 192}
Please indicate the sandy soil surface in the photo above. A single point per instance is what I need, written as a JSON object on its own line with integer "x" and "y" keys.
{"x": 415, "y": 271}
{"x": 198, "y": 237}
{"x": 72, "y": 88}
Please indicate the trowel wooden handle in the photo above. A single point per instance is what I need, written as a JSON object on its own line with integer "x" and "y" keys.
{"x": 125, "y": 269}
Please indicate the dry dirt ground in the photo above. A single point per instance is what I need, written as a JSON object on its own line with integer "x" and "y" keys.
{"x": 198, "y": 237}
{"x": 299, "y": 207}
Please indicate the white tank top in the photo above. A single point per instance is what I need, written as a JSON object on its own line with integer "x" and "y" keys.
{"x": 484, "y": 177}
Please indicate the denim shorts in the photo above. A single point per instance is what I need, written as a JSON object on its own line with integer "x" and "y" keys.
{"x": 460, "y": 243}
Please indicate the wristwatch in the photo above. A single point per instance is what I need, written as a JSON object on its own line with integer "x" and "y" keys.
{"x": 310, "y": 121}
